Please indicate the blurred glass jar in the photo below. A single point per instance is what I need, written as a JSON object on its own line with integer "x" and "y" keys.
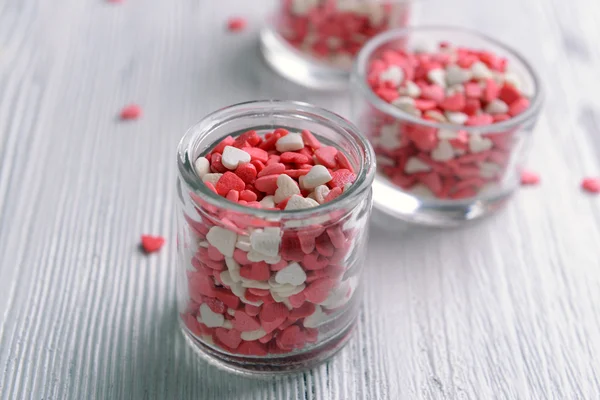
{"x": 314, "y": 42}
{"x": 438, "y": 173}
{"x": 266, "y": 327}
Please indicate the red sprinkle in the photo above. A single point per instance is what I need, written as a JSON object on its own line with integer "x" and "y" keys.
{"x": 236, "y": 24}
{"x": 591, "y": 185}
{"x": 152, "y": 244}
{"x": 130, "y": 112}
{"x": 529, "y": 178}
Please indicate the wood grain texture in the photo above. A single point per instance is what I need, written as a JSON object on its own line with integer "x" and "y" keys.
{"x": 506, "y": 309}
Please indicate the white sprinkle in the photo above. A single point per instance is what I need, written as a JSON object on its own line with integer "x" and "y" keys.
{"x": 267, "y": 202}
{"x": 512, "y": 79}
{"x": 210, "y": 318}
{"x": 404, "y": 103}
{"x": 414, "y": 165}
{"x": 338, "y": 296}
{"x": 212, "y": 178}
{"x": 243, "y": 243}
{"x": 443, "y": 151}
{"x": 435, "y": 115}
{"x": 455, "y": 75}
{"x": 318, "y": 175}
{"x": 481, "y": 71}
{"x": 302, "y": 7}
{"x": 437, "y": 76}
{"x": 231, "y": 311}
{"x": 223, "y": 239}
{"x": 411, "y": 89}
{"x": 454, "y": 89}
{"x": 292, "y": 274}
{"x": 457, "y": 118}
{"x": 489, "y": 170}
{"x": 477, "y": 144}
{"x": 251, "y": 283}
{"x": 234, "y": 269}
{"x": 394, "y": 74}
{"x": 253, "y": 335}
{"x": 227, "y": 324}
{"x": 288, "y": 290}
{"x": 385, "y": 161}
{"x": 496, "y": 106}
{"x": 201, "y": 166}
{"x": 421, "y": 190}
{"x": 320, "y": 193}
{"x": 315, "y": 319}
{"x": 286, "y": 187}
{"x": 232, "y": 157}
{"x": 266, "y": 241}
{"x": 290, "y": 142}
{"x": 299, "y": 203}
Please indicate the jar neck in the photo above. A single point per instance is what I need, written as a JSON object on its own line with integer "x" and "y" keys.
{"x": 264, "y": 116}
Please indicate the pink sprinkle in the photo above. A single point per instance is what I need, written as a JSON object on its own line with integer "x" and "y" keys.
{"x": 236, "y": 24}
{"x": 529, "y": 178}
{"x": 152, "y": 244}
{"x": 591, "y": 185}
{"x": 132, "y": 111}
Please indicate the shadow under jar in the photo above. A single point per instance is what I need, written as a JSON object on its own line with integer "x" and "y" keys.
{"x": 272, "y": 324}
{"x": 314, "y": 42}
{"x": 439, "y": 167}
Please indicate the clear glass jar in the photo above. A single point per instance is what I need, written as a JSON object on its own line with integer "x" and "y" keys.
{"x": 314, "y": 42}
{"x": 263, "y": 327}
{"x": 470, "y": 183}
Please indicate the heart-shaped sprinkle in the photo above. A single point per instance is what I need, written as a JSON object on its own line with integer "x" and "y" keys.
{"x": 245, "y": 323}
{"x": 289, "y": 142}
{"x": 286, "y": 187}
{"x": 297, "y": 202}
{"x": 317, "y": 291}
{"x": 130, "y": 112}
{"x": 326, "y": 156}
{"x": 455, "y": 75}
{"x": 292, "y": 274}
{"x": 229, "y": 337}
{"x": 266, "y": 241}
{"x": 151, "y": 244}
{"x": 253, "y": 335}
{"x": 315, "y": 319}
{"x": 443, "y": 152}
{"x": 201, "y": 166}
{"x": 272, "y": 316}
{"x": 227, "y": 297}
{"x": 479, "y": 144}
{"x": 223, "y": 239}
{"x": 210, "y": 318}
{"x": 318, "y": 175}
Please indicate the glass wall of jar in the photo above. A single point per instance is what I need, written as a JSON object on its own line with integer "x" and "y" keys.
{"x": 450, "y": 113}
{"x": 314, "y": 42}
{"x": 268, "y": 291}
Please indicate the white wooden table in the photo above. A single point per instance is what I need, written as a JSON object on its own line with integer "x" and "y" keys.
{"x": 507, "y": 308}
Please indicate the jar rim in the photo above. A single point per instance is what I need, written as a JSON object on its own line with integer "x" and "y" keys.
{"x": 358, "y": 80}
{"x": 366, "y": 155}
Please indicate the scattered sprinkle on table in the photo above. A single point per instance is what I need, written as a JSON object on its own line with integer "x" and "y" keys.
{"x": 131, "y": 112}
{"x": 152, "y": 244}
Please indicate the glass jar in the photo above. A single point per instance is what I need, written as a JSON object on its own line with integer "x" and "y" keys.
{"x": 481, "y": 166}
{"x": 268, "y": 327}
{"x": 314, "y": 42}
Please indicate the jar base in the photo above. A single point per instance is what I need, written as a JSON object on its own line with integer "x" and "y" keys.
{"x": 392, "y": 202}
{"x": 292, "y": 65}
{"x": 271, "y": 366}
